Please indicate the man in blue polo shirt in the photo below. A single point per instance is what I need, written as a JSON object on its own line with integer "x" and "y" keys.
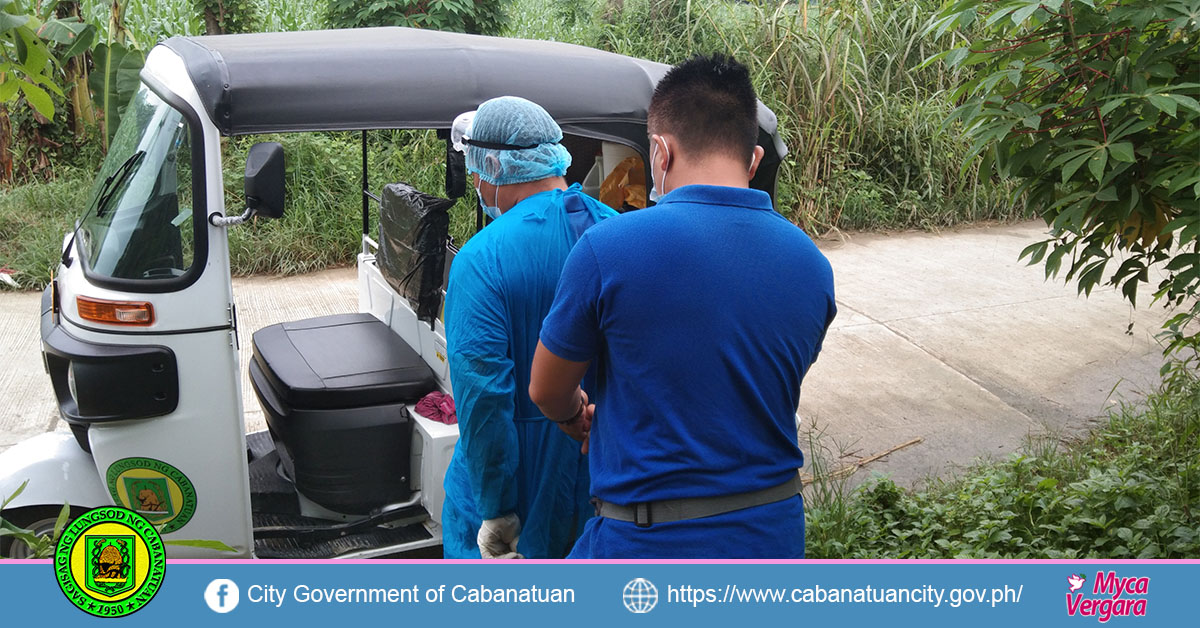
{"x": 702, "y": 314}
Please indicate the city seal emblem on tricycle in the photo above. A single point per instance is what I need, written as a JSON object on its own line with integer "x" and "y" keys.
{"x": 154, "y": 489}
{"x": 110, "y": 562}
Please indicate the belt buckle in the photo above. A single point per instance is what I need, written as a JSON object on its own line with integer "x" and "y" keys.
{"x": 641, "y": 515}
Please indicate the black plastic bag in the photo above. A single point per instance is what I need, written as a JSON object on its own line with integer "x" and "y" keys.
{"x": 414, "y": 229}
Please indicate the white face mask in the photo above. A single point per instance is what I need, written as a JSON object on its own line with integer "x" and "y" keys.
{"x": 492, "y": 211}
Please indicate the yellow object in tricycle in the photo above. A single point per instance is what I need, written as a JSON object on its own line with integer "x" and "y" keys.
{"x": 625, "y": 187}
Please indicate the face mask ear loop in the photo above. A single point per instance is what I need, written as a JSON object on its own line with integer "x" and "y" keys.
{"x": 480, "y": 214}
{"x": 667, "y": 151}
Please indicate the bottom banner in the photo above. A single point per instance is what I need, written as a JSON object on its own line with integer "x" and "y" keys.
{"x": 543, "y": 593}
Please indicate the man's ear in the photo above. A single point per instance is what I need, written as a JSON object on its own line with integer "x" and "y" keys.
{"x": 661, "y": 154}
{"x": 755, "y": 160}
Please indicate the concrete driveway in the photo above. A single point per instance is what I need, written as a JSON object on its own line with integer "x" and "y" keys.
{"x": 949, "y": 339}
{"x": 945, "y": 338}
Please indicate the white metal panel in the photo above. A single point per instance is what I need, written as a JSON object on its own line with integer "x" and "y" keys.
{"x": 436, "y": 444}
{"x": 57, "y": 470}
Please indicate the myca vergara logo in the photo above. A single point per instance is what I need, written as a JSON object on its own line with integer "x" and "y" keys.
{"x": 1111, "y": 596}
{"x": 110, "y": 562}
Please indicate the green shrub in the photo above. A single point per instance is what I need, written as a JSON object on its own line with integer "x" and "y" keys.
{"x": 39, "y": 546}
{"x": 485, "y": 17}
{"x": 1110, "y": 85}
{"x": 570, "y": 21}
{"x": 1131, "y": 490}
{"x": 222, "y": 17}
{"x": 41, "y": 148}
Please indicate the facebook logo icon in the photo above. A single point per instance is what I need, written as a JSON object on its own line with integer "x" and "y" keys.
{"x": 222, "y": 595}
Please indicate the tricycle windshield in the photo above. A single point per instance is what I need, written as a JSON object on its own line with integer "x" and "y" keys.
{"x": 139, "y": 225}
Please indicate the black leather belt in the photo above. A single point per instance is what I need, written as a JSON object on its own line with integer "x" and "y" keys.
{"x": 667, "y": 510}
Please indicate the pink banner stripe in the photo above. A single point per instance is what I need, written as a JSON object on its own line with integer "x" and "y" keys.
{"x": 886, "y": 561}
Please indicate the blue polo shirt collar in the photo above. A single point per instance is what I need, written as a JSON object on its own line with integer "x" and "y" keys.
{"x": 719, "y": 195}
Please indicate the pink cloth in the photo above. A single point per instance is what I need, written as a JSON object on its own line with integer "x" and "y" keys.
{"x": 439, "y": 407}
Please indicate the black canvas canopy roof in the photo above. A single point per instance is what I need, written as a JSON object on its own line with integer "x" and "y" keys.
{"x": 390, "y": 78}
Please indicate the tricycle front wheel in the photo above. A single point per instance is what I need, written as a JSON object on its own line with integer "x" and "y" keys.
{"x": 39, "y": 520}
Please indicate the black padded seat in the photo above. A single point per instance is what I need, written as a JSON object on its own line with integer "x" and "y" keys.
{"x": 340, "y": 361}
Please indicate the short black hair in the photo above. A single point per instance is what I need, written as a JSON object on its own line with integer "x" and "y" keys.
{"x": 707, "y": 104}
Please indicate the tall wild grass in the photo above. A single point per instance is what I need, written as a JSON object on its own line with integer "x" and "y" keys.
{"x": 868, "y": 149}
{"x": 151, "y": 21}
{"x": 864, "y": 125}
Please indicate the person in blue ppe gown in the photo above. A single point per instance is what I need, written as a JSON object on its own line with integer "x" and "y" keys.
{"x": 517, "y": 486}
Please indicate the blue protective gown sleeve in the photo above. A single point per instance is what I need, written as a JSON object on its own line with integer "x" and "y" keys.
{"x": 484, "y": 385}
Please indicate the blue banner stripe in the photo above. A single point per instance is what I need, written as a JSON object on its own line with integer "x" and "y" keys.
{"x": 429, "y": 593}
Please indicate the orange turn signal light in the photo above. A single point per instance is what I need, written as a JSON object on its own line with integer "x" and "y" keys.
{"x": 133, "y": 313}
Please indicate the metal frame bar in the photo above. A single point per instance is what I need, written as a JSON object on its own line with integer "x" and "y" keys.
{"x": 366, "y": 195}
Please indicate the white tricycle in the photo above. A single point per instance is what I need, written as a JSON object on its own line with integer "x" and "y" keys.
{"x": 139, "y": 328}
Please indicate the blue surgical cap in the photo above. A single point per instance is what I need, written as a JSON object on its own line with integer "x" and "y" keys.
{"x": 516, "y": 122}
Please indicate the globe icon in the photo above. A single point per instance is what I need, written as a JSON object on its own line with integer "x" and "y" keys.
{"x": 640, "y": 596}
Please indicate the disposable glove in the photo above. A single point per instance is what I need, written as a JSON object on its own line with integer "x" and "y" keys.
{"x": 498, "y": 537}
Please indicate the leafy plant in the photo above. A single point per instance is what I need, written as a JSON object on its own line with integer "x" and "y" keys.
{"x": 26, "y": 63}
{"x": 1091, "y": 105}
{"x": 34, "y": 139}
{"x": 115, "y": 81}
{"x": 465, "y": 16}
{"x": 572, "y": 12}
{"x": 211, "y": 545}
{"x": 58, "y": 53}
{"x": 39, "y": 546}
{"x": 228, "y": 16}
{"x": 43, "y": 546}
{"x": 74, "y": 38}
{"x": 1128, "y": 491}
{"x": 118, "y": 59}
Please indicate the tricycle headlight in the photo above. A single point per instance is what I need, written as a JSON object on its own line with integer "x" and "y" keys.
{"x": 71, "y": 382}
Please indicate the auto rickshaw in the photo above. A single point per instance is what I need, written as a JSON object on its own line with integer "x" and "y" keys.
{"x": 140, "y": 330}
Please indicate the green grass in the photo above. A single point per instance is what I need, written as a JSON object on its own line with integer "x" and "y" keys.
{"x": 1130, "y": 490}
{"x": 321, "y": 224}
{"x": 322, "y": 221}
{"x": 862, "y": 121}
{"x": 33, "y": 219}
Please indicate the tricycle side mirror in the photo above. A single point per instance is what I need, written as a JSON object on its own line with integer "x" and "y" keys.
{"x": 264, "y": 181}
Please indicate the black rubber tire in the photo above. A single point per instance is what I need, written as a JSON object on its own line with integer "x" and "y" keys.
{"x": 39, "y": 519}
